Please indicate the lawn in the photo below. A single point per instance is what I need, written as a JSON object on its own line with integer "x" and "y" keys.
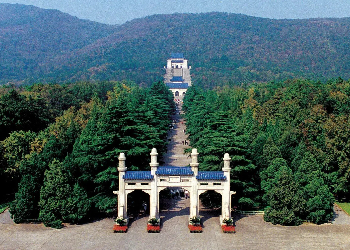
{"x": 345, "y": 206}
{"x": 3, "y": 207}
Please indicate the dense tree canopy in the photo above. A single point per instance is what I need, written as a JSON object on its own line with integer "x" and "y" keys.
{"x": 66, "y": 172}
{"x": 289, "y": 144}
{"x": 297, "y": 129}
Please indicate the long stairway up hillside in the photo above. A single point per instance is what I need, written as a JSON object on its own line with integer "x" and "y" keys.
{"x": 178, "y": 142}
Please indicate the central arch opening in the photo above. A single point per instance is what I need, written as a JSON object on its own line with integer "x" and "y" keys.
{"x": 210, "y": 206}
{"x": 174, "y": 207}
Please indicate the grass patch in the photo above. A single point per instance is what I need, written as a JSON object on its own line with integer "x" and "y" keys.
{"x": 4, "y": 206}
{"x": 345, "y": 206}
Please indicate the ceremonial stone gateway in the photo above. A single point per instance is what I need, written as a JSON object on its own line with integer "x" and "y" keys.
{"x": 162, "y": 177}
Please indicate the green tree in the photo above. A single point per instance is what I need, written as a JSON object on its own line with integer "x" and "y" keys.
{"x": 20, "y": 113}
{"x": 15, "y": 148}
{"x": 215, "y": 130}
{"x": 133, "y": 121}
{"x": 319, "y": 200}
{"x": 77, "y": 206}
{"x": 268, "y": 175}
{"x": 59, "y": 201}
{"x": 285, "y": 203}
{"x": 270, "y": 152}
{"x": 53, "y": 195}
{"x": 95, "y": 152}
{"x": 25, "y": 206}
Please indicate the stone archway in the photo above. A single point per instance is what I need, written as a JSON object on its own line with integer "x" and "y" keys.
{"x": 161, "y": 177}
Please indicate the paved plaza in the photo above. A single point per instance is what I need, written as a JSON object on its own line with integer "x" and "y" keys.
{"x": 251, "y": 231}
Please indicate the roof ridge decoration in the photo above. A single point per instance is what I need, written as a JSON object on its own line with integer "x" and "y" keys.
{"x": 172, "y": 170}
{"x": 138, "y": 175}
{"x": 211, "y": 175}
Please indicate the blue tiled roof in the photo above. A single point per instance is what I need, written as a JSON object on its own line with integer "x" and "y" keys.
{"x": 176, "y": 79}
{"x": 138, "y": 175}
{"x": 169, "y": 170}
{"x": 171, "y": 85}
{"x": 211, "y": 175}
{"x": 177, "y": 55}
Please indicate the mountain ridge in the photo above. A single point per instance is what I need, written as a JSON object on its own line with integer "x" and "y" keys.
{"x": 33, "y": 34}
{"x": 222, "y": 47}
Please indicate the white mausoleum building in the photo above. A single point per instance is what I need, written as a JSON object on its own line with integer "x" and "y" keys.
{"x": 177, "y": 76}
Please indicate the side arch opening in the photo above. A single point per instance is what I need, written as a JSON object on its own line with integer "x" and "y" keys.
{"x": 210, "y": 205}
{"x": 138, "y": 204}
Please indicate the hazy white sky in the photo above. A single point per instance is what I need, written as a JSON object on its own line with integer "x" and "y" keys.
{"x": 120, "y": 11}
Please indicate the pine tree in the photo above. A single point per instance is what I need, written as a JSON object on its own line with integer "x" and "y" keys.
{"x": 53, "y": 195}
{"x": 25, "y": 206}
{"x": 319, "y": 199}
{"x": 268, "y": 175}
{"x": 285, "y": 203}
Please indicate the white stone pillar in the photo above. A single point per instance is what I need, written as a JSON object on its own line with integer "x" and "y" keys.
{"x": 226, "y": 194}
{"x": 185, "y": 65}
{"x": 194, "y": 161}
{"x": 122, "y": 209}
{"x": 154, "y": 210}
{"x": 168, "y": 65}
{"x": 194, "y": 207}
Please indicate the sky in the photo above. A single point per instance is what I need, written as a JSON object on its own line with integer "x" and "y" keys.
{"x": 120, "y": 11}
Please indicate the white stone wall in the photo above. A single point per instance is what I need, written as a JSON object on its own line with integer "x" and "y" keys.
{"x": 181, "y": 92}
{"x": 174, "y": 65}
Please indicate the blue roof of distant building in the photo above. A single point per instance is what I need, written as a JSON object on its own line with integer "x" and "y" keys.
{"x": 138, "y": 175}
{"x": 177, "y": 55}
{"x": 176, "y": 79}
{"x": 170, "y": 170}
{"x": 171, "y": 85}
{"x": 211, "y": 175}
{"x": 177, "y": 61}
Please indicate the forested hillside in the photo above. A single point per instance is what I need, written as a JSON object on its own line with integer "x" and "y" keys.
{"x": 289, "y": 143}
{"x": 59, "y": 142}
{"x": 31, "y": 38}
{"x": 64, "y": 168}
{"x": 49, "y": 46}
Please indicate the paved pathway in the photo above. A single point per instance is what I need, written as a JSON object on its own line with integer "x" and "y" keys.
{"x": 252, "y": 231}
{"x": 340, "y": 217}
{"x": 175, "y": 155}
